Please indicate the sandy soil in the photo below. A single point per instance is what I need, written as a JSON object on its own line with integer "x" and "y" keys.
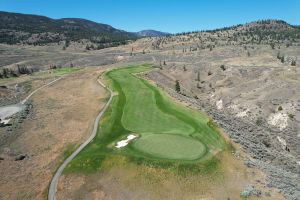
{"x": 62, "y": 116}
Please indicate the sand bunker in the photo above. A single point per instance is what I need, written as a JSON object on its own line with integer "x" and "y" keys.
{"x": 123, "y": 143}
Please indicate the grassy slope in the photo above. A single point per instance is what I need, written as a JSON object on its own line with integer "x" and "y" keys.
{"x": 142, "y": 108}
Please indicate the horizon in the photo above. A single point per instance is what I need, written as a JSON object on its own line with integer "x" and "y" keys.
{"x": 129, "y": 16}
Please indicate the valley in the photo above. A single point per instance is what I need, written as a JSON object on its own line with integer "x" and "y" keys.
{"x": 196, "y": 115}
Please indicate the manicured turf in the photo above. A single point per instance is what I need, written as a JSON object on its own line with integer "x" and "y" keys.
{"x": 168, "y": 132}
{"x": 170, "y": 146}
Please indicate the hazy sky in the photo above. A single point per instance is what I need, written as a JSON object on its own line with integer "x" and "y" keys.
{"x": 164, "y": 15}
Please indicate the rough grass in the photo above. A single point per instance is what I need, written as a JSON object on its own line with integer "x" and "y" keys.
{"x": 64, "y": 70}
{"x": 142, "y": 108}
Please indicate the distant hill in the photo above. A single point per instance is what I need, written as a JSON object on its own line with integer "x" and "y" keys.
{"x": 262, "y": 31}
{"x": 37, "y": 30}
{"x": 151, "y": 33}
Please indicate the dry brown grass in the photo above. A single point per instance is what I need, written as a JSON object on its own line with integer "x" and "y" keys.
{"x": 62, "y": 114}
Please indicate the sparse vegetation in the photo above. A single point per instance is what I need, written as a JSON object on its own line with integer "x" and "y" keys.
{"x": 259, "y": 121}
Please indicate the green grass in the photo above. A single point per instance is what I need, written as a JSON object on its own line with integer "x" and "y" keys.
{"x": 170, "y": 146}
{"x": 64, "y": 70}
{"x": 4, "y": 80}
{"x": 170, "y": 135}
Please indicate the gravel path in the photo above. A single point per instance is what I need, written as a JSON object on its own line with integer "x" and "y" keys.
{"x": 54, "y": 181}
{"x": 32, "y": 93}
{"x": 9, "y": 110}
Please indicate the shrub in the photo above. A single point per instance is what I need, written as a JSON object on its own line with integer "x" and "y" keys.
{"x": 291, "y": 116}
{"x": 259, "y": 121}
{"x": 293, "y": 63}
{"x": 223, "y": 67}
{"x": 177, "y": 86}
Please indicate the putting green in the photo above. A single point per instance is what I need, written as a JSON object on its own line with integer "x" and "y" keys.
{"x": 170, "y": 146}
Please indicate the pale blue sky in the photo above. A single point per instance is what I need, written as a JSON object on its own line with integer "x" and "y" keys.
{"x": 164, "y": 15}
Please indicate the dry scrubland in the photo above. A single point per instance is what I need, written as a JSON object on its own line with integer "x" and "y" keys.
{"x": 60, "y": 118}
{"x": 241, "y": 83}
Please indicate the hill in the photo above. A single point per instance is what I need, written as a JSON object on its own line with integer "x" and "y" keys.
{"x": 151, "y": 33}
{"x": 271, "y": 32}
{"x": 38, "y": 30}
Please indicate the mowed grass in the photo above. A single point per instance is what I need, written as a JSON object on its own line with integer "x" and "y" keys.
{"x": 168, "y": 132}
{"x": 170, "y": 146}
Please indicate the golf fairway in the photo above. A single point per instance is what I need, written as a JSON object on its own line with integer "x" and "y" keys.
{"x": 166, "y": 130}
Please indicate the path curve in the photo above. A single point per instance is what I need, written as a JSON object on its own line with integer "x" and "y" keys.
{"x": 55, "y": 178}
{"x": 9, "y": 110}
{"x": 32, "y": 93}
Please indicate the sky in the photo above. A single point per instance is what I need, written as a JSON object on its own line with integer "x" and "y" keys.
{"x": 171, "y": 16}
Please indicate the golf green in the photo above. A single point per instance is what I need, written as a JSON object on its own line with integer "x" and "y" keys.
{"x": 170, "y": 146}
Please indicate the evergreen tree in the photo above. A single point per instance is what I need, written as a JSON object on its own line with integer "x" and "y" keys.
{"x": 282, "y": 59}
{"x": 177, "y": 86}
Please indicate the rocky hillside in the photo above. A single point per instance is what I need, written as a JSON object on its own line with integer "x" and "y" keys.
{"x": 38, "y": 30}
{"x": 271, "y": 32}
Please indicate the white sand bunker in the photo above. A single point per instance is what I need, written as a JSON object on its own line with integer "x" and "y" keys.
{"x": 123, "y": 143}
{"x": 279, "y": 120}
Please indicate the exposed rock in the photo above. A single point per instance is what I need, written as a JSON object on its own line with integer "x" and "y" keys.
{"x": 250, "y": 191}
{"x": 20, "y": 157}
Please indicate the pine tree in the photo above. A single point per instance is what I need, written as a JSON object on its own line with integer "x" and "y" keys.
{"x": 282, "y": 59}
{"x": 177, "y": 86}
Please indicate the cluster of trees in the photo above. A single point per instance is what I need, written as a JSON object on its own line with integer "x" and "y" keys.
{"x": 98, "y": 46}
{"x": 7, "y": 72}
{"x": 282, "y": 59}
{"x": 59, "y": 66}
